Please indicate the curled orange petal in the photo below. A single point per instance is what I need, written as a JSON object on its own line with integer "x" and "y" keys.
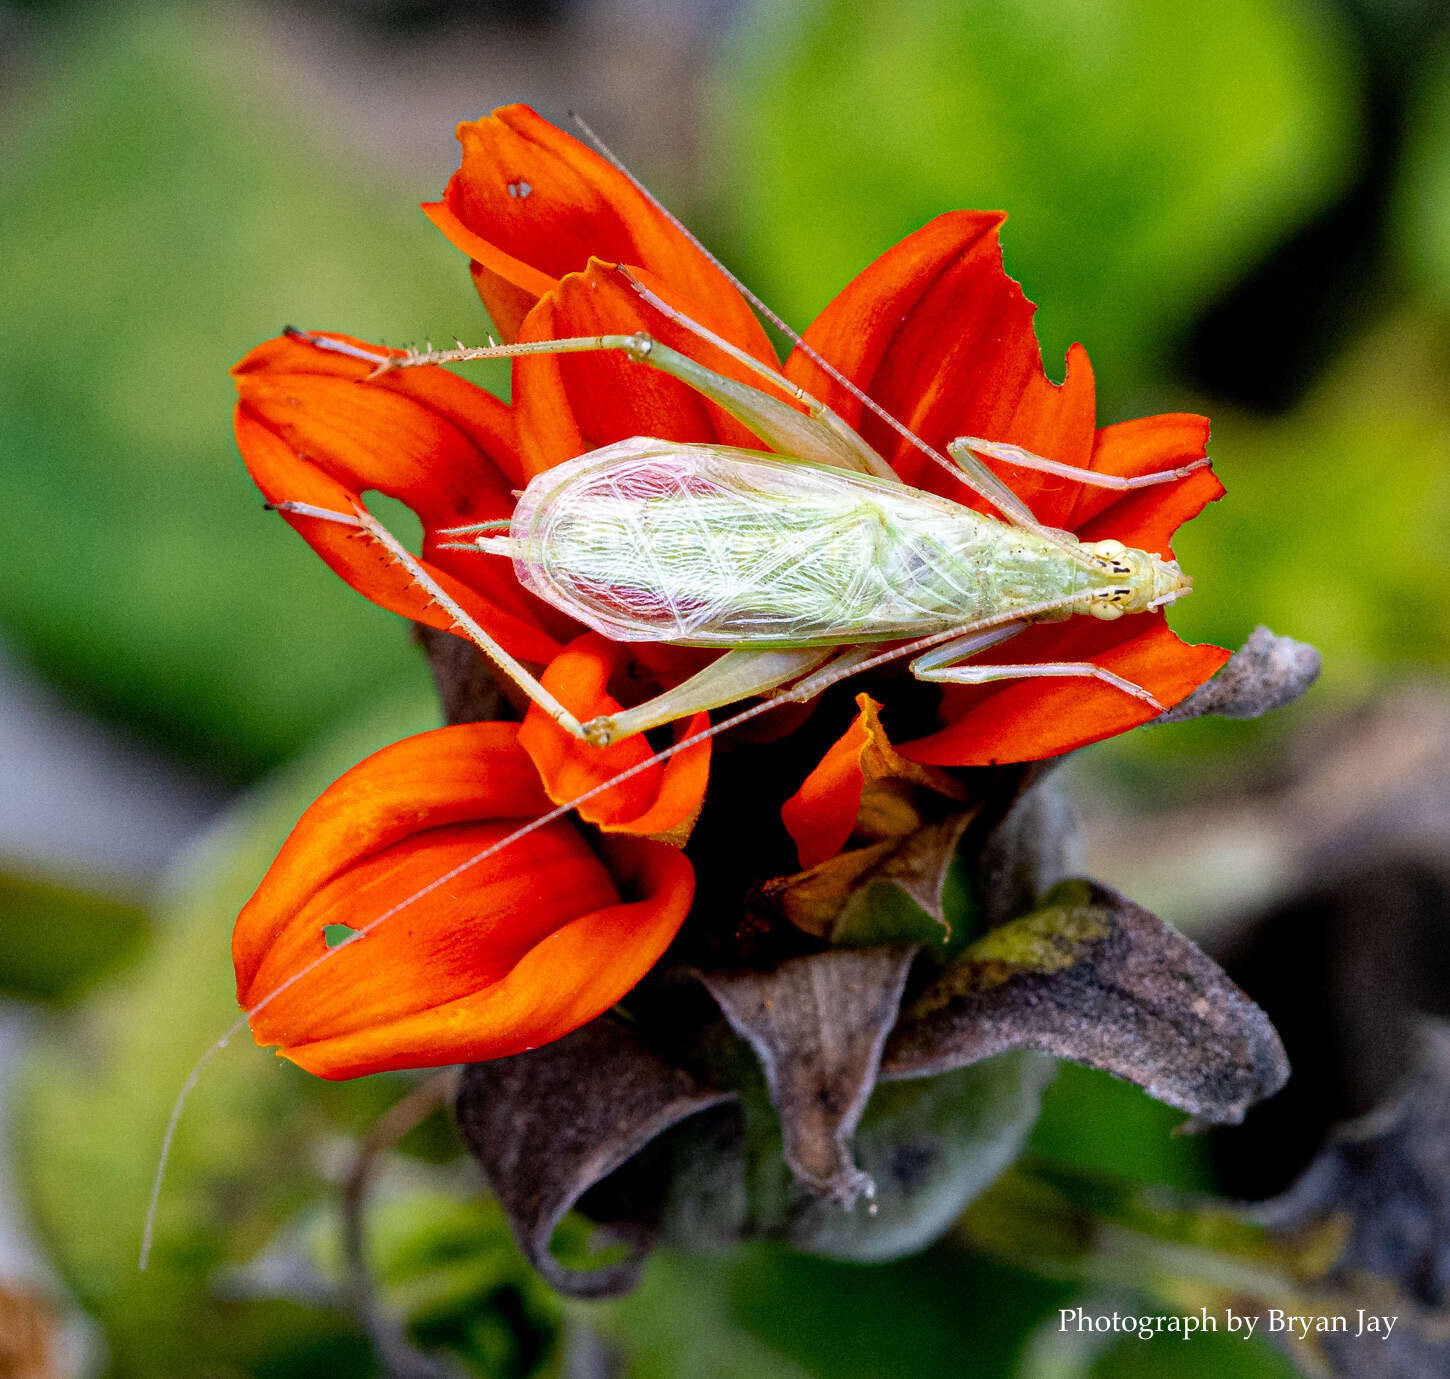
{"x": 509, "y": 952}
{"x": 832, "y": 804}
{"x": 313, "y": 428}
{"x": 530, "y": 204}
{"x": 661, "y": 801}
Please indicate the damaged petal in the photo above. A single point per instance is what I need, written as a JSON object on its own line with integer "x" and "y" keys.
{"x": 910, "y": 891}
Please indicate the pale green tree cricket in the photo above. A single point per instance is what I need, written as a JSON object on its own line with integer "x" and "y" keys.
{"x": 804, "y": 564}
{"x": 801, "y": 565}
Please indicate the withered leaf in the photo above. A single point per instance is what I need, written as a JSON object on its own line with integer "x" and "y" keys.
{"x": 908, "y": 890}
{"x": 1266, "y": 673}
{"x": 1092, "y": 977}
{"x": 1383, "y": 1183}
{"x": 817, "y": 1024}
{"x": 1028, "y": 853}
{"x": 931, "y": 1145}
{"x": 548, "y": 1124}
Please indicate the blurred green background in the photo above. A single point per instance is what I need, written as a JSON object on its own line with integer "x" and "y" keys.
{"x": 1240, "y": 207}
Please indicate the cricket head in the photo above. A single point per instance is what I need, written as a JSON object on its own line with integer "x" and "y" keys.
{"x": 1140, "y": 580}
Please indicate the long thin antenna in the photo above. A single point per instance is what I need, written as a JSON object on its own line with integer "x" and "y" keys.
{"x": 1056, "y": 538}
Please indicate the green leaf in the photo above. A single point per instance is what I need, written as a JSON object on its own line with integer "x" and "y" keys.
{"x": 1146, "y": 152}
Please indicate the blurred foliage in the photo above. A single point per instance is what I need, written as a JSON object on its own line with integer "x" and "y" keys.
{"x": 164, "y": 210}
{"x": 173, "y": 194}
{"x": 1143, "y": 151}
{"x": 1422, "y": 221}
{"x": 762, "y": 1312}
{"x": 97, "y": 1092}
{"x": 54, "y": 940}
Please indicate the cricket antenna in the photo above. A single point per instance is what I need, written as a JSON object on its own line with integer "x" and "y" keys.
{"x": 762, "y": 307}
{"x": 1016, "y": 511}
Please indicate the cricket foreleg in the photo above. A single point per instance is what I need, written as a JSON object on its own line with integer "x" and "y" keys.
{"x": 965, "y": 449}
{"x": 938, "y": 665}
{"x": 734, "y": 676}
{"x": 514, "y": 669}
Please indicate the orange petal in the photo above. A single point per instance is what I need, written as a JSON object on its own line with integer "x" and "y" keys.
{"x": 1148, "y": 517}
{"x": 939, "y": 335}
{"x": 531, "y": 204}
{"x": 312, "y": 430}
{"x": 660, "y": 801}
{"x": 457, "y": 973}
{"x": 822, "y": 813}
{"x": 565, "y": 980}
{"x": 568, "y": 404}
{"x": 1028, "y": 719}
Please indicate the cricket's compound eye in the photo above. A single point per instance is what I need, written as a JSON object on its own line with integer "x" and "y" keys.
{"x": 1141, "y": 581}
{"x": 1109, "y": 605}
{"x": 1114, "y": 557}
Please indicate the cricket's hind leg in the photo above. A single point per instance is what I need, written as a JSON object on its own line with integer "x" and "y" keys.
{"x": 516, "y": 672}
{"x": 736, "y": 675}
{"x": 938, "y": 666}
{"x": 965, "y": 450}
{"x": 730, "y": 678}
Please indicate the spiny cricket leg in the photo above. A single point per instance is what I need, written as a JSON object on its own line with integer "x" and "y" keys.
{"x": 776, "y": 422}
{"x": 730, "y": 678}
{"x": 961, "y": 449}
{"x": 937, "y": 666}
{"x": 832, "y": 442}
{"x": 513, "y": 669}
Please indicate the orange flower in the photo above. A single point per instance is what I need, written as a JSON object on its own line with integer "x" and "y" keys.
{"x": 934, "y": 331}
{"x": 518, "y": 950}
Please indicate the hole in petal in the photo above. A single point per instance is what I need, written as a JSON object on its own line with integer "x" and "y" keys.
{"x": 335, "y": 935}
{"x": 397, "y": 517}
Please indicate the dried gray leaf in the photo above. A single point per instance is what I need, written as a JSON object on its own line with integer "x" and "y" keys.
{"x": 1029, "y": 852}
{"x": 1385, "y": 1181}
{"x": 931, "y": 1145}
{"x": 1266, "y": 673}
{"x": 549, "y": 1124}
{"x": 817, "y": 1025}
{"x": 1096, "y": 979}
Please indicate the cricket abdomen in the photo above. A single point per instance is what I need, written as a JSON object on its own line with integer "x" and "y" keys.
{"x": 650, "y": 540}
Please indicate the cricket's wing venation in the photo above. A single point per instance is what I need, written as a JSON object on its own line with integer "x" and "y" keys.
{"x": 650, "y": 540}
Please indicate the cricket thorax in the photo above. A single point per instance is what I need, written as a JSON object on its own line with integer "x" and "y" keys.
{"x": 648, "y": 540}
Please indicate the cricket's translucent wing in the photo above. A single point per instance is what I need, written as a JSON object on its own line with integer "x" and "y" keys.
{"x": 648, "y": 540}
